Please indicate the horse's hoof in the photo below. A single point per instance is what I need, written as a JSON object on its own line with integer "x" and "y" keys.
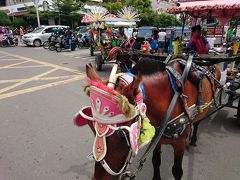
{"x": 194, "y": 144}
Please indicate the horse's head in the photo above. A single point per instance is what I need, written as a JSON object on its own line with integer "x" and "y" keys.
{"x": 116, "y": 117}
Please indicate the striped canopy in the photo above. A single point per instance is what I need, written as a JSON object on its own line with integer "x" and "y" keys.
{"x": 212, "y": 8}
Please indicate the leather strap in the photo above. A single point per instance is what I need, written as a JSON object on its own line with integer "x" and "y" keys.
{"x": 169, "y": 57}
{"x": 168, "y": 115}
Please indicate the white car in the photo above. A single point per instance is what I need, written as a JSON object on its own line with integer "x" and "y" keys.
{"x": 39, "y": 35}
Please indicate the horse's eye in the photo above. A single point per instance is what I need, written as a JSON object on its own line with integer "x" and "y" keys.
{"x": 106, "y": 108}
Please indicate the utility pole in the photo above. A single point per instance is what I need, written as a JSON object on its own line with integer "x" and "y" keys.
{"x": 36, "y": 6}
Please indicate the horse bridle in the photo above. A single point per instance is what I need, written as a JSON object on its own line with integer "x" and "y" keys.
{"x": 112, "y": 126}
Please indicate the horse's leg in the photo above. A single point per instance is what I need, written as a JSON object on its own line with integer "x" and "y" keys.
{"x": 194, "y": 135}
{"x": 178, "y": 148}
{"x": 156, "y": 160}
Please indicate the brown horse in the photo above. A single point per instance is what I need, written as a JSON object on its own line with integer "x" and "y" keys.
{"x": 159, "y": 94}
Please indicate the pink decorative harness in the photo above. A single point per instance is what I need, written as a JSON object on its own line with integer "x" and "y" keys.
{"x": 106, "y": 115}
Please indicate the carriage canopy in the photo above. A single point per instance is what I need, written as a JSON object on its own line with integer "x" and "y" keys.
{"x": 220, "y": 9}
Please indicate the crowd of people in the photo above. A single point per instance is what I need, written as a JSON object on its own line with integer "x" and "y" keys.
{"x": 160, "y": 40}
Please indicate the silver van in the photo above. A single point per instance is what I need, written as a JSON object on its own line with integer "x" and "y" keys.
{"x": 39, "y": 35}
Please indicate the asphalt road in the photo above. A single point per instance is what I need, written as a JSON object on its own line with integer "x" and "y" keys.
{"x": 40, "y": 91}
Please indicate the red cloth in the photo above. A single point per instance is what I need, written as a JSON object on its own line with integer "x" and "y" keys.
{"x": 201, "y": 47}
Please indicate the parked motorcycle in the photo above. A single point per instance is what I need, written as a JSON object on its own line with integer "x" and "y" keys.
{"x": 6, "y": 41}
{"x": 50, "y": 44}
{"x": 83, "y": 42}
{"x": 63, "y": 44}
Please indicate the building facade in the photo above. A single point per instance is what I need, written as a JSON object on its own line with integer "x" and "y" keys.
{"x": 15, "y": 2}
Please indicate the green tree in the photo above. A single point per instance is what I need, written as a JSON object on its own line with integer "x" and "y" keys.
{"x": 113, "y": 8}
{"x": 143, "y": 6}
{"x": 4, "y": 20}
{"x": 165, "y": 20}
{"x": 66, "y": 10}
{"x": 19, "y": 21}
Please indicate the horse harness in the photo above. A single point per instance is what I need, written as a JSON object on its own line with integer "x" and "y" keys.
{"x": 176, "y": 126}
{"x": 168, "y": 128}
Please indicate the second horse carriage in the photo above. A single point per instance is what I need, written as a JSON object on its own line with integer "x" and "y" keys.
{"x": 110, "y": 44}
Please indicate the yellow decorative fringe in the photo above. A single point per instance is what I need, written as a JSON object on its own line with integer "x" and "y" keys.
{"x": 127, "y": 108}
{"x": 86, "y": 89}
{"x": 204, "y": 106}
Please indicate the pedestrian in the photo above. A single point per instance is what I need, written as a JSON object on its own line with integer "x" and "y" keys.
{"x": 68, "y": 35}
{"x": 198, "y": 43}
{"x": 134, "y": 33}
{"x": 230, "y": 33}
{"x": 170, "y": 42}
{"x": 21, "y": 32}
{"x": 162, "y": 40}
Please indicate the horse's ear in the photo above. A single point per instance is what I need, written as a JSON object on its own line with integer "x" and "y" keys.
{"x": 132, "y": 89}
{"x": 91, "y": 73}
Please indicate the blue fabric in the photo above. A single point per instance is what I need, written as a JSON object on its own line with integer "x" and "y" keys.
{"x": 154, "y": 44}
{"x": 70, "y": 43}
{"x": 170, "y": 47}
{"x": 128, "y": 70}
{"x": 171, "y": 79}
{"x": 143, "y": 91}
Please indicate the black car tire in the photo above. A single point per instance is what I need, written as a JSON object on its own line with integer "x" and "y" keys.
{"x": 37, "y": 43}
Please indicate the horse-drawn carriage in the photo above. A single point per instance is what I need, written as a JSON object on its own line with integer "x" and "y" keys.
{"x": 160, "y": 100}
{"x": 109, "y": 43}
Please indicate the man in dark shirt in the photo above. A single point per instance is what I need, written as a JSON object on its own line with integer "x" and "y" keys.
{"x": 198, "y": 43}
{"x": 68, "y": 35}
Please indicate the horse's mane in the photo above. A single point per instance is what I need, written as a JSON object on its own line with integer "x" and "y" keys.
{"x": 147, "y": 66}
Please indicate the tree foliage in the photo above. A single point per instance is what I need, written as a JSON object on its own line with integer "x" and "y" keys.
{"x": 113, "y": 8}
{"x": 149, "y": 17}
{"x": 19, "y": 21}
{"x": 143, "y": 6}
{"x": 165, "y": 20}
{"x": 66, "y": 10}
{"x": 4, "y": 20}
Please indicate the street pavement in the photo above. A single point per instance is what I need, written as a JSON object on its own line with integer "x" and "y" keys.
{"x": 40, "y": 92}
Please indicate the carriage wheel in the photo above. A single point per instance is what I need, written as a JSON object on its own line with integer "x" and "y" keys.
{"x": 98, "y": 62}
{"x": 238, "y": 112}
